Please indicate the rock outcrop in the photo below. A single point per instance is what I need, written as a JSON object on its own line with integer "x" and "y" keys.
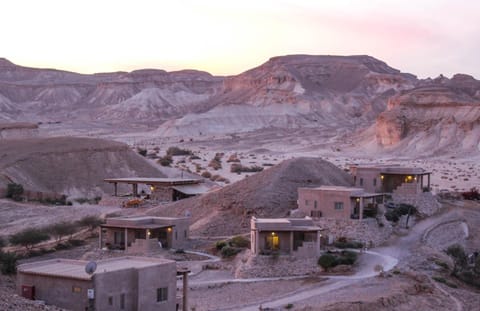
{"x": 438, "y": 115}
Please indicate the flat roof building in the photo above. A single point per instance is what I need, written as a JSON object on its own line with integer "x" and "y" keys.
{"x": 144, "y": 234}
{"x": 382, "y": 178}
{"x": 338, "y": 202}
{"x": 126, "y": 283}
{"x": 295, "y": 236}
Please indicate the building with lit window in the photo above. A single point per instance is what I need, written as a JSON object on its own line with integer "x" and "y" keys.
{"x": 143, "y": 234}
{"x": 295, "y": 236}
{"x": 391, "y": 179}
{"x": 126, "y": 283}
{"x": 338, "y": 202}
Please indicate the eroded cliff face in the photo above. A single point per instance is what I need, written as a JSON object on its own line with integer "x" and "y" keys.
{"x": 440, "y": 114}
{"x": 297, "y": 91}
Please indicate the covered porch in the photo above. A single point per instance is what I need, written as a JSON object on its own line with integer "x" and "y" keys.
{"x": 365, "y": 205}
{"x": 134, "y": 239}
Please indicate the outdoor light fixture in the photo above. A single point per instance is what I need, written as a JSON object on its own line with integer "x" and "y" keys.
{"x": 152, "y": 188}
{"x": 169, "y": 229}
{"x": 273, "y": 233}
{"x": 382, "y": 177}
{"x": 358, "y": 199}
{"x": 148, "y": 232}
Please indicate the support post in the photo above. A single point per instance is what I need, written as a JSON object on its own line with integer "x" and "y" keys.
{"x": 291, "y": 242}
{"x": 100, "y": 237}
{"x": 317, "y": 247}
{"x": 185, "y": 290}
{"x": 360, "y": 216}
{"x": 115, "y": 191}
{"x": 126, "y": 239}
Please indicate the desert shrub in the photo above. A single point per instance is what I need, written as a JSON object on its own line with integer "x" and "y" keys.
{"x": 233, "y": 158}
{"x": 14, "y": 191}
{"x": 238, "y": 168}
{"x": 91, "y": 222}
{"x": 206, "y": 174}
{"x": 194, "y": 157}
{"x": 228, "y": 251}
{"x": 289, "y": 306}
{"x": 28, "y": 238}
{"x": 61, "y": 229}
{"x": 441, "y": 264}
{"x": 403, "y": 209}
{"x": 220, "y": 244}
{"x": 439, "y": 279}
{"x": 346, "y": 258}
{"x": 348, "y": 244}
{"x": 176, "y": 151}
{"x": 327, "y": 261}
{"x": 142, "y": 151}
{"x": 165, "y": 160}
{"x": 459, "y": 257}
{"x": 8, "y": 263}
{"x": 240, "y": 241}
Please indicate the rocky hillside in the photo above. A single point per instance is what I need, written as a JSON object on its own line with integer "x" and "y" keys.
{"x": 71, "y": 166}
{"x": 297, "y": 91}
{"x": 437, "y": 116}
{"x": 271, "y": 193}
{"x": 39, "y": 95}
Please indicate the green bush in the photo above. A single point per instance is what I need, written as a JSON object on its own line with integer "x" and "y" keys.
{"x": 403, "y": 209}
{"x": 28, "y": 238}
{"x": 351, "y": 244}
{"x": 228, "y": 251}
{"x": 239, "y": 168}
{"x": 240, "y": 241}
{"x": 165, "y": 161}
{"x": 206, "y": 174}
{"x": 175, "y": 151}
{"x": 91, "y": 222}
{"x": 14, "y": 191}
{"x": 61, "y": 229}
{"x": 8, "y": 263}
{"x": 142, "y": 152}
{"x": 347, "y": 258}
{"x": 327, "y": 261}
{"x": 220, "y": 244}
{"x": 439, "y": 279}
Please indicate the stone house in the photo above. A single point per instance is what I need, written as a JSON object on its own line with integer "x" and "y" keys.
{"x": 391, "y": 179}
{"x": 338, "y": 202}
{"x": 143, "y": 234}
{"x": 295, "y": 236}
{"x": 127, "y": 283}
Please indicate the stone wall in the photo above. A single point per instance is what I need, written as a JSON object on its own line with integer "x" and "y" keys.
{"x": 368, "y": 230}
{"x": 262, "y": 266}
{"x": 425, "y": 202}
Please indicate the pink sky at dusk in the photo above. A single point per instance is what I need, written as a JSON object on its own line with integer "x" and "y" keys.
{"x": 425, "y": 37}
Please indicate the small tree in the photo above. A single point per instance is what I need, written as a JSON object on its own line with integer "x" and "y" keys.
{"x": 62, "y": 229}
{"x": 8, "y": 263}
{"x": 142, "y": 151}
{"x": 327, "y": 261}
{"x": 457, "y": 252}
{"x": 91, "y": 222}
{"x": 28, "y": 238}
{"x": 14, "y": 191}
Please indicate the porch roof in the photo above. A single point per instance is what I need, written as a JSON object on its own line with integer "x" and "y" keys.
{"x": 138, "y": 226}
{"x": 154, "y": 181}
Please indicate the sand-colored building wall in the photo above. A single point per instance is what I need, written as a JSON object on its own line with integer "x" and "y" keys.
{"x": 313, "y": 200}
{"x": 368, "y": 178}
{"x": 114, "y": 284}
{"x": 152, "y": 278}
{"x": 63, "y": 292}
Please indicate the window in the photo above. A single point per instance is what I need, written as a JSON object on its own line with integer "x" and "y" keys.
{"x": 315, "y": 204}
{"x": 316, "y": 214}
{"x": 176, "y": 234}
{"x": 76, "y": 289}
{"x": 162, "y": 294}
{"x": 374, "y": 182}
{"x": 185, "y": 234}
{"x": 110, "y": 301}
{"x": 354, "y": 180}
{"x": 122, "y": 301}
{"x": 361, "y": 181}
{"x": 306, "y": 202}
{"x": 338, "y": 205}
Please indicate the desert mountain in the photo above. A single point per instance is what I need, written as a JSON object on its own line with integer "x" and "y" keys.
{"x": 321, "y": 99}
{"x": 437, "y": 116}
{"x": 30, "y": 94}
{"x": 69, "y": 165}
{"x": 270, "y": 193}
{"x": 297, "y": 91}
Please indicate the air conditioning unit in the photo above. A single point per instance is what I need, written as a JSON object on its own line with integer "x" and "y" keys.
{"x": 28, "y": 291}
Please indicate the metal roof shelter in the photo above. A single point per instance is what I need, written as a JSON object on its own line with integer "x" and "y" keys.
{"x": 188, "y": 186}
